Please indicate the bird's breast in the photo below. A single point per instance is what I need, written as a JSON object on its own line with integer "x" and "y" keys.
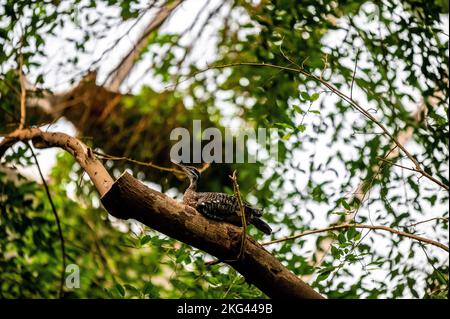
{"x": 190, "y": 198}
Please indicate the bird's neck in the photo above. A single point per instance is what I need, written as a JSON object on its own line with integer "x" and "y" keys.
{"x": 192, "y": 186}
{"x": 190, "y": 195}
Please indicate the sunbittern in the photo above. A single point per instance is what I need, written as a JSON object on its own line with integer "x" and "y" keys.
{"x": 220, "y": 206}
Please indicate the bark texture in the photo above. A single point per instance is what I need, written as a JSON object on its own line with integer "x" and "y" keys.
{"x": 128, "y": 198}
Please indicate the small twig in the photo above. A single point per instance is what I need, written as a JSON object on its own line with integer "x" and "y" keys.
{"x": 373, "y": 227}
{"x": 58, "y": 222}
{"x": 285, "y": 56}
{"x": 117, "y": 41}
{"x": 432, "y": 264}
{"x": 147, "y": 164}
{"x": 304, "y": 61}
{"x": 243, "y": 221}
{"x": 325, "y": 66}
{"x": 229, "y": 288}
{"x": 340, "y": 94}
{"x": 398, "y": 165}
{"x": 354, "y": 74}
{"x": 428, "y": 220}
{"x": 237, "y": 194}
{"x": 23, "y": 93}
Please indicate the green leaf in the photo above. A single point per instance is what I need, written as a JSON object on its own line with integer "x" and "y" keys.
{"x": 148, "y": 287}
{"x": 145, "y": 239}
{"x": 351, "y": 233}
{"x": 305, "y": 96}
{"x": 120, "y": 289}
{"x": 284, "y": 125}
{"x": 301, "y": 128}
{"x": 298, "y": 109}
{"x": 335, "y": 252}
{"x": 314, "y": 97}
{"x": 324, "y": 273}
{"x": 131, "y": 288}
{"x": 345, "y": 204}
{"x": 341, "y": 238}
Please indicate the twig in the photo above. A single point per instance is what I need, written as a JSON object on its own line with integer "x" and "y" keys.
{"x": 237, "y": 194}
{"x": 398, "y": 165}
{"x": 147, "y": 164}
{"x": 23, "y": 93}
{"x": 325, "y": 65}
{"x": 58, "y": 223}
{"x": 117, "y": 41}
{"x": 354, "y": 74}
{"x": 243, "y": 221}
{"x": 340, "y": 94}
{"x": 285, "y": 56}
{"x": 117, "y": 76}
{"x": 373, "y": 227}
{"x": 432, "y": 264}
{"x": 428, "y": 220}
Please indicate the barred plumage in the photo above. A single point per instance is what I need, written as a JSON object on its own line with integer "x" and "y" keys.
{"x": 220, "y": 206}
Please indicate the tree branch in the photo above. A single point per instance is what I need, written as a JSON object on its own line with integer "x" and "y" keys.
{"x": 121, "y": 71}
{"x": 343, "y": 96}
{"x": 445, "y": 219}
{"x": 373, "y": 227}
{"x": 128, "y": 198}
{"x": 82, "y": 154}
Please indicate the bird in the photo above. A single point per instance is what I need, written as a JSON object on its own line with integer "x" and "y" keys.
{"x": 220, "y": 206}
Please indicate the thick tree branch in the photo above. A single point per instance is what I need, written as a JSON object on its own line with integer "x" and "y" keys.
{"x": 128, "y": 198}
{"x": 82, "y": 154}
{"x": 120, "y": 73}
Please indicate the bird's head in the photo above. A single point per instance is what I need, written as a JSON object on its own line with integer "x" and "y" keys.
{"x": 192, "y": 173}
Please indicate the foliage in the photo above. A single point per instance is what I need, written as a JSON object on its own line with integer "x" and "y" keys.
{"x": 390, "y": 56}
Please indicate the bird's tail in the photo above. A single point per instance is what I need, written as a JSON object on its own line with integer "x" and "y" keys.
{"x": 261, "y": 225}
{"x": 252, "y": 211}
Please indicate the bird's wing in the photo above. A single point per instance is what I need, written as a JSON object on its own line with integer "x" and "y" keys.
{"x": 218, "y": 206}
